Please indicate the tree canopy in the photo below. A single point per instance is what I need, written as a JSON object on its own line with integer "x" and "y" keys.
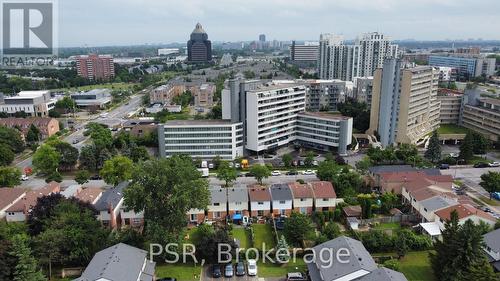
{"x": 260, "y": 172}
{"x": 117, "y": 169}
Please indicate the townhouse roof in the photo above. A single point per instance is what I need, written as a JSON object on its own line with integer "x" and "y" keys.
{"x": 111, "y": 197}
{"x": 437, "y": 202}
{"x": 359, "y": 260}
{"x": 238, "y": 194}
{"x": 391, "y": 169}
{"x": 301, "y": 190}
{"x": 119, "y": 262}
{"x": 281, "y": 191}
{"x": 492, "y": 240}
{"x": 383, "y": 274}
{"x": 464, "y": 211}
{"x": 408, "y": 176}
{"x": 259, "y": 193}
{"x": 25, "y": 122}
{"x": 71, "y": 190}
{"x": 89, "y": 194}
{"x": 9, "y": 195}
{"x": 424, "y": 194}
{"x": 217, "y": 194}
{"x": 323, "y": 189}
{"x": 352, "y": 211}
{"x": 30, "y": 198}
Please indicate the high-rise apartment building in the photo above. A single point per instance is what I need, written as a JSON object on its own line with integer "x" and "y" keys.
{"x": 363, "y": 89}
{"x": 467, "y": 67}
{"x": 404, "y": 108}
{"x": 481, "y": 114}
{"x": 95, "y": 67}
{"x": 340, "y": 61}
{"x": 325, "y": 95}
{"x": 304, "y": 55}
{"x": 199, "y": 47}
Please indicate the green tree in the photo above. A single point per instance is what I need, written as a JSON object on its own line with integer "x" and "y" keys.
{"x": 82, "y": 176}
{"x": 331, "y": 230}
{"x": 366, "y": 201}
{"x": 347, "y": 183}
{"x": 460, "y": 245}
{"x": 309, "y": 158}
{"x": 363, "y": 165}
{"x": 67, "y": 104}
{"x": 327, "y": 170}
{"x": 27, "y": 266}
{"x": 173, "y": 183}
{"x": 388, "y": 201}
{"x": 282, "y": 251}
{"x": 226, "y": 173}
{"x": 480, "y": 143}
{"x": 287, "y": 160}
{"x": 433, "y": 152}
{"x": 117, "y": 169}
{"x": 467, "y": 147}
{"x": 10, "y": 176}
{"x": 405, "y": 151}
{"x": 33, "y": 134}
{"x": 11, "y": 138}
{"x": 69, "y": 155}
{"x": 46, "y": 159}
{"x": 490, "y": 181}
{"x": 6, "y": 155}
{"x": 297, "y": 228}
{"x": 92, "y": 158}
{"x": 260, "y": 172}
{"x": 208, "y": 246}
{"x": 100, "y": 135}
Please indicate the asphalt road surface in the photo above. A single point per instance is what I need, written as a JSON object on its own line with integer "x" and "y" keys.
{"x": 269, "y": 180}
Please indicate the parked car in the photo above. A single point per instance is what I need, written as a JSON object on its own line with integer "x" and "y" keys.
{"x": 228, "y": 271}
{"x": 216, "y": 272}
{"x": 295, "y": 163}
{"x": 275, "y": 173}
{"x": 494, "y": 164}
{"x": 495, "y": 195}
{"x": 292, "y": 173}
{"x": 295, "y": 276}
{"x": 75, "y": 141}
{"x": 240, "y": 269}
{"x": 24, "y": 178}
{"x": 444, "y": 166}
{"x": 167, "y": 279}
{"x": 252, "y": 267}
{"x": 481, "y": 165}
{"x": 237, "y": 165}
{"x": 315, "y": 163}
{"x": 308, "y": 172}
{"x": 280, "y": 223}
{"x": 95, "y": 177}
{"x": 249, "y": 174}
{"x": 210, "y": 165}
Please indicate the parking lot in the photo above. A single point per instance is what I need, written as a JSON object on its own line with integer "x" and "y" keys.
{"x": 207, "y": 276}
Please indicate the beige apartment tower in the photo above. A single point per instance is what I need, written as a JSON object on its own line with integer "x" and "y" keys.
{"x": 404, "y": 108}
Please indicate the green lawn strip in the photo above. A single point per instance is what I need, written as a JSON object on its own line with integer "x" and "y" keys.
{"x": 415, "y": 265}
{"x": 112, "y": 86}
{"x": 268, "y": 269}
{"x": 263, "y": 234}
{"x": 388, "y": 226}
{"x": 451, "y": 129}
{"x": 242, "y": 235}
{"x": 477, "y": 159}
{"x": 180, "y": 271}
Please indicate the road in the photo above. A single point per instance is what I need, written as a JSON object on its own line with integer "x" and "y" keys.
{"x": 269, "y": 180}
{"x": 77, "y": 136}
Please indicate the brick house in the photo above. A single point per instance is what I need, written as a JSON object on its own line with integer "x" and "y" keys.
{"x": 260, "y": 201}
{"x": 282, "y": 199}
{"x": 325, "y": 198}
{"x": 20, "y": 209}
{"x": 8, "y": 197}
{"x": 195, "y": 216}
{"x": 303, "y": 198}
{"x": 46, "y": 126}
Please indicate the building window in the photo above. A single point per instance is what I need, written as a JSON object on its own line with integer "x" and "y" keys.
{"x": 216, "y": 214}
{"x": 192, "y": 217}
{"x": 282, "y": 202}
{"x": 260, "y": 213}
{"x": 260, "y": 203}
{"x": 302, "y": 199}
{"x": 216, "y": 204}
{"x": 136, "y": 221}
{"x": 325, "y": 199}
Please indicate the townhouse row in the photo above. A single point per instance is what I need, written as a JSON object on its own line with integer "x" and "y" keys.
{"x": 240, "y": 202}
{"x": 17, "y": 203}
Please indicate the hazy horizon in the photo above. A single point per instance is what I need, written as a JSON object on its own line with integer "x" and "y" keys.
{"x": 138, "y": 22}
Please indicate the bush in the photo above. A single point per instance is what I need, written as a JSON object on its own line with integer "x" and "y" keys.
{"x": 392, "y": 264}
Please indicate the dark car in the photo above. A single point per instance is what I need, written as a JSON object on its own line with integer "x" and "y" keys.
{"x": 249, "y": 174}
{"x": 292, "y": 173}
{"x": 167, "y": 279}
{"x": 280, "y": 223}
{"x": 444, "y": 166}
{"x": 481, "y": 165}
{"x": 95, "y": 177}
{"x": 216, "y": 272}
{"x": 240, "y": 269}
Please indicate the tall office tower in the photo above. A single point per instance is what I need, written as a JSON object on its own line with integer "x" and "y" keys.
{"x": 304, "y": 55}
{"x": 199, "y": 47}
{"x": 404, "y": 108}
{"x": 374, "y": 48}
{"x": 262, "y": 38}
{"x": 345, "y": 62}
{"x": 95, "y": 67}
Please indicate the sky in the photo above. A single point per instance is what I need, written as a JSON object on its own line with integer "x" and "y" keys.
{"x": 133, "y": 22}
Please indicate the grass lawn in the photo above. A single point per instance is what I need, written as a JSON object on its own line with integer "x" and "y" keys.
{"x": 263, "y": 234}
{"x": 477, "y": 159}
{"x": 268, "y": 269}
{"x": 243, "y": 236}
{"x": 112, "y": 86}
{"x": 388, "y": 226}
{"x": 451, "y": 129}
{"x": 183, "y": 272}
{"x": 416, "y": 266}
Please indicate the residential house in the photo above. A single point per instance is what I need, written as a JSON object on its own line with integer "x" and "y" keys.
{"x": 9, "y": 197}
{"x": 238, "y": 202}
{"x": 357, "y": 264}
{"x": 129, "y": 218}
{"x": 140, "y": 128}
{"x": 109, "y": 206}
{"x": 394, "y": 181}
{"x": 325, "y": 198}
{"x": 89, "y": 194}
{"x": 19, "y": 210}
{"x": 47, "y": 126}
{"x": 282, "y": 199}
{"x": 217, "y": 210}
{"x": 120, "y": 262}
{"x": 352, "y": 211}
{"x": 303, "y": 198}
{"x": 429, "y": 206}
{"x": 260, "y": 201}
{"x": 71, "y": 190}
{"x": 195, "y": 216}
{"x": 465, "y": 212}
{"x": 492, "y": 248}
